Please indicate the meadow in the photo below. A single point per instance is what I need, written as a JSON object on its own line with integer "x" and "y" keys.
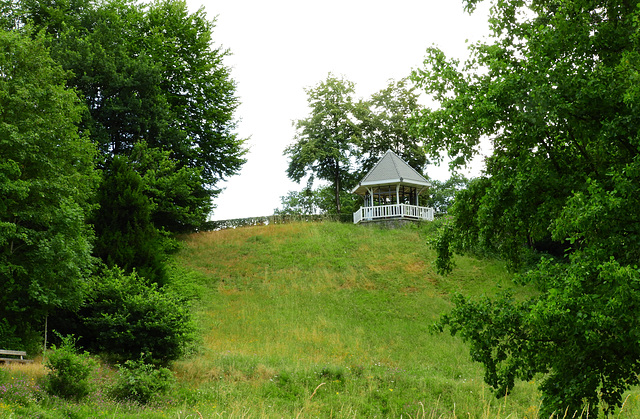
{"x": 309, "y": 320}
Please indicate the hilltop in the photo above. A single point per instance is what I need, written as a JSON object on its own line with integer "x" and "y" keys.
{"x": 321, "y": 319}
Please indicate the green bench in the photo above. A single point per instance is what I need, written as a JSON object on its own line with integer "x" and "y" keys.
{"x": 7, "y": 356}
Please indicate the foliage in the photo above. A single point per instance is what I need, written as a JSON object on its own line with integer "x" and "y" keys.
{"x": 349, "y": 202}
{"x": 325, "y": 141}
{"x": 343, "y": 139}
{"x": 573, "y": 333}
{"x": 8, "y": 335}
{"x": 180, "y": 202}
{"x": 126, "y": 237}
{"x": 550, "y": 69}
{"x": 47, "y": 181}
{"x": 318, "y": 201}
{"x": 125, "y": 316}
{"x": 298, "y": 203}
{"x": 10, "y": 14}
{"x": 68, "y": 371}
{"x": 385, "y": 126}
{"x": 140, "y": 382}
{"x": 148, "y": 72}
{"x": 442, "y": 194}
{"x": 441, "y": 243}
{"x": 555, "y": 93}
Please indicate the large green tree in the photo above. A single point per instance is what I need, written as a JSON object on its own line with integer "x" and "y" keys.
{"x": 150, "y": 72}
{"x": 325, "y": 145}
{"x": 555, "y": 92}
{"x": 385, "y": 125}
{"x": 343, "y": 138}
{"x": 47, "y": 180}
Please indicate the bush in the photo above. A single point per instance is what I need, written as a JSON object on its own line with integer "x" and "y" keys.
{"x": 124, "y": 316}
{"x": 138, "y": 381}
{"x": 69, "y": 371}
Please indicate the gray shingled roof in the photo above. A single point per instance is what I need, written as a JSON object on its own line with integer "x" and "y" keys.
{"x": 390, "y": 170}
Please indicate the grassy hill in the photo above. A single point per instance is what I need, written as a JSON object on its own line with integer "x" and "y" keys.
{"x": 332, "y": 320}
{"x": 311, "y": 320}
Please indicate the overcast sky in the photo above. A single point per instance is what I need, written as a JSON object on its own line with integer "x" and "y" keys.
{"x": 280, "y": 47}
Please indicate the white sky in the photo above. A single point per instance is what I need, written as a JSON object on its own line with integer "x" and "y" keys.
{"x": 280, "y": 47}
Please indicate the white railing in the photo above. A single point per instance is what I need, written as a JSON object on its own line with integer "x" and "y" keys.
{"x": 412, "y": 212}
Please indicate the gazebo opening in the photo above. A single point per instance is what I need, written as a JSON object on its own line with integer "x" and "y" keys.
{"x": 391, "y": 190}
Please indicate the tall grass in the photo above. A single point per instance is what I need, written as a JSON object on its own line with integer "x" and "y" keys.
{"x": 314, "y": 320}
{"x": 329, "y": 319}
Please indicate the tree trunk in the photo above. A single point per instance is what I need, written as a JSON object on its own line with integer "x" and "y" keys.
{"x": 337, "y": 188}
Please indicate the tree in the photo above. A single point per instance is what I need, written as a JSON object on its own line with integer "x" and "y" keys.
{"x": 47, "y": 182}
{"x": 126, "y": 237}
{"x": 343, "y": 138}
{"x": 149, "y": 73}
{"x": 385, "y": 126}
{"x": 180, "y": 200}
{"x": 304, "y": 202}
{"x": 320, "y": 200}
{"x": 325, "y": 144}
{"x": 443, "y": 194}
{"x": 556, "y": 94}
{"x": 10, "y": 14}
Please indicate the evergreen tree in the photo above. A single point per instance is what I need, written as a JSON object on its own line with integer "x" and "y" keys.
{"x": 126, "y": 237}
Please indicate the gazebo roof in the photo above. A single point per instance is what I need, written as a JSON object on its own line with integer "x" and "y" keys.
{"x": 391, "y": 170}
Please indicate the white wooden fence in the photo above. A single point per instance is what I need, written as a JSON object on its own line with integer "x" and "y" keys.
{"x": 396, "y": 211}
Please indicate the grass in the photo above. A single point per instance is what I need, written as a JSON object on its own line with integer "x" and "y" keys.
{"x": 333, "y": 319}
{"x": 316, "y": 320}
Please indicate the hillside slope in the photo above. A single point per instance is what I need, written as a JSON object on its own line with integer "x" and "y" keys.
{"x": 329, "y": 319}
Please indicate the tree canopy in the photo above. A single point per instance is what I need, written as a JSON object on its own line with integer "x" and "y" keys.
{"x": 325, "y": 145}
{"x": 138, "y": 91}
{"x": 149, "y": 73}
{"x": 344, "y": 137}
{"x": 385, "y": 126}
{"x": 47, "y": 179}
{"x": 555, "y": 92}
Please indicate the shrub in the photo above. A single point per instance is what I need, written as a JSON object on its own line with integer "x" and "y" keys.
{"x": 138, "y": 381}
{"x": 124, "y": 316}
{"x": 69, "y": 371}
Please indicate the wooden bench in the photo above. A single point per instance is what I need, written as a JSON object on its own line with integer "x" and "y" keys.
{"x": 16, "y": 356}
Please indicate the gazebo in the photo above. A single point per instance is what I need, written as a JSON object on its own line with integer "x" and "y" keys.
{"x": 391, "y": 191}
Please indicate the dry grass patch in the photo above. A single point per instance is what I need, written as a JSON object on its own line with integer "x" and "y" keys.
{"x": 34, "y": 370}
{"x": 415, "y": 267}
{"x": 242, "y": 235}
